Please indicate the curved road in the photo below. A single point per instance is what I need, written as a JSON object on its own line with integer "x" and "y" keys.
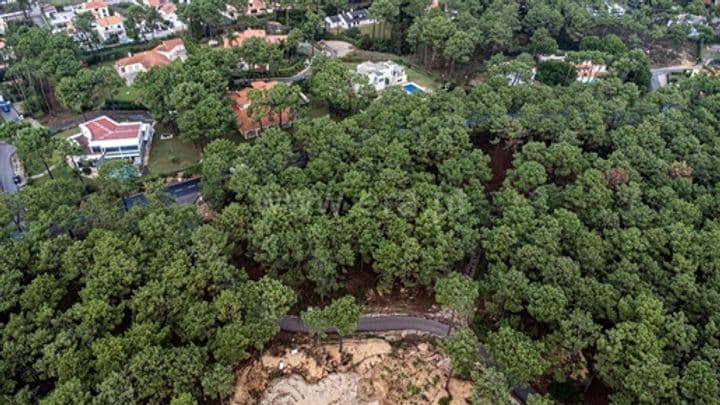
{"x": 6, "y": 168}
{"x": 386, "y": 323}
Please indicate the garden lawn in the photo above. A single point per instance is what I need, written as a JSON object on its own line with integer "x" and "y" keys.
{"x": 171, "y": 155}
{"x": 126, "y": 93}
{"x": 368, "y": 30}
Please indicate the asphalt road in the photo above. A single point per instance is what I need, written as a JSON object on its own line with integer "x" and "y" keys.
{"x": 11, "y": 115}
{"x": 659, "y": 75}
{"x": 6, "y": 168}
{"x": 382, "y": 323}
{"x": 183, "y": 193}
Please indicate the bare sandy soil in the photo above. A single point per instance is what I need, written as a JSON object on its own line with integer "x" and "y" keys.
{"x": 368, "y": 372}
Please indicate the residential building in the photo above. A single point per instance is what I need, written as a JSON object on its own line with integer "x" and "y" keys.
{"x": 348, "y": 19}
{"x": 257, "y": 7}
{"x": 110, "y": 27}
{"x": 169, "y": 13}
{"x": 166, "y": 52}
{"x": 240, "y": 37}
{"x": 383, "y": 74}
{"x": 250, "y": 127}
{"x": 104, "y": 138}
{"x": 60, "y": 21}
{"x": 98, "y": 8}
{"x": 588, "y": 71}
{"x": 3, "y": 26}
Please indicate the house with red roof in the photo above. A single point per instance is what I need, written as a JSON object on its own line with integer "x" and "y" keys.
{"x": 104, "y": 138}
{"x": 98, "y": 8}
{"x": 110, "y": 26}
{"x": 239, "y": 37}
{"x": 251, "y": 127}
{"x": 168, "y": 51}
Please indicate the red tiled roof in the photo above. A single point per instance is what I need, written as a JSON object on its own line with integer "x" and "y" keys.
{"x": 169, "y": 45}
{"x": 105, "y": 129}
{"x": 168, "y": 8}
{"x": 245, "y": 122}
{"x": 156, "y": 3}
{"x": 153, "y": 57}
{"x": 255, "y": 6}
{"x": 240, "y": 37}
{"x": 109, "y": 20}
{"x": 94, "y": 4}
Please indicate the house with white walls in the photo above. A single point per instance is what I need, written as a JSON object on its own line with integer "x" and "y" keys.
{"x": 383, "y": 74}
{"x": 104, "y": 138}
{"x": 168, "y": 51}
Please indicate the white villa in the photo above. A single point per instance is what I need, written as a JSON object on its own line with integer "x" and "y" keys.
{"x": 383, "y": 74}
{"x": 348, "y": 19}
{"x": 104, "y": 138}
{"x": 109, "y": 26}
{"x": 168, "y": 51}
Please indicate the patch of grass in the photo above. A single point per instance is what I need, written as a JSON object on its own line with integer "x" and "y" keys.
{"x": 422, "y": 78}
{"x": 170, "y": 155}
{"x": 65, "y": 134}
{"x": 126, "y": 93}
{"x": 63, "y": 171}
{"x": 368, "y": 30}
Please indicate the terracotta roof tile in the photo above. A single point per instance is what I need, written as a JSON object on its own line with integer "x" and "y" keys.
{"x": 153, "y": 57}
{"x": 240, "y": 106}
{"x": 105, "y": 129}
{"x": 109, "y": 20}
{"x": 241, "y": 37}
{"x": 94, "y": 4}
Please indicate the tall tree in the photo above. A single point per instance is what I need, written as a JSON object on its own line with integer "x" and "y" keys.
{"x": 459, "y": 293}
{"x": 343, "y": 314}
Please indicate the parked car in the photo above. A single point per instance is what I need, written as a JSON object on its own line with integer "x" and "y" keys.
{"x": 17, "y": 179}
{"x": 4, "y": 104}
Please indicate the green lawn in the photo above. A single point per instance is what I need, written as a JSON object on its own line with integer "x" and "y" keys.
{"x": 170, "y": 155}
{"x": 422, "y": 78}
{"x": 126, "y": 93}
{"x": 368, "y": 30}
{"x": 63, "y": 171}
{"x": 67, "y": 133}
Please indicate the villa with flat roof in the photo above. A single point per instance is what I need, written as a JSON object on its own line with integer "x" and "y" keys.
{"x": 383, "y": 74}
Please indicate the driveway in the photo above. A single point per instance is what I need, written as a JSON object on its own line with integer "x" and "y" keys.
{"x": 339, "y": 48}
{"x": 6, "y": 168}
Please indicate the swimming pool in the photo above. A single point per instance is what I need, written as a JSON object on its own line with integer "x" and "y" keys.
{"x": 411, "y": 88}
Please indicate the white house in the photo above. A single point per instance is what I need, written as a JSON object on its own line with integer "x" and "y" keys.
{"x": 98, "y": 8}
{"x": 104, "y": 138}
{"x": 3, "y": 26}
{"x": 348, "y": 19}
{"x": 110, "y": 26}
{"x": 383, "y": 74}
{"x": 169, "y": 13}
{"x": 166, "y": 52}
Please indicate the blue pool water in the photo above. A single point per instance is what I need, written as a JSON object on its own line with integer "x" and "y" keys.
{"x": 411, "y": 88}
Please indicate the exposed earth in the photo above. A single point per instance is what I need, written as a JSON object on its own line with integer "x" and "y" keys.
{"x": 373, "y": 371}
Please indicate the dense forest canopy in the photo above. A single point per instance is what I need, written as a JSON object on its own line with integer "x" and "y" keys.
{"x": 588, "y": 215}
{"x": 600, "y": 248}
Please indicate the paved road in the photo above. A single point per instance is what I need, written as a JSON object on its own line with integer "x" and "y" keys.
{"x": 382, "y": 323}
{"x": 6, "y": 169}
{"x": 11, "y": 115}
{"x": 385, "y": 323}
{"x": 659, "y": 75}
{"x": 186, "y": 192}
